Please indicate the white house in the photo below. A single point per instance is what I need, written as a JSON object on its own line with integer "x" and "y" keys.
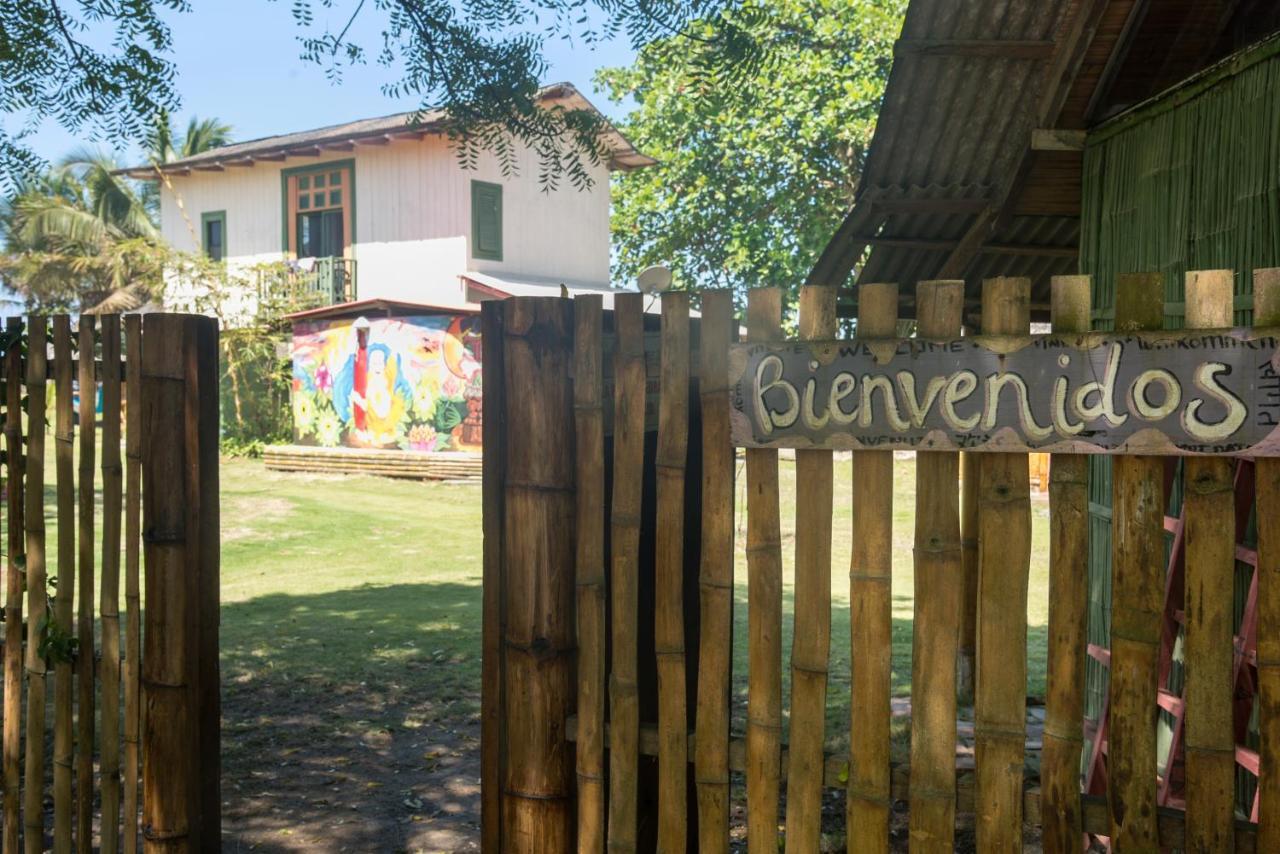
{"x": 383, "y": 209}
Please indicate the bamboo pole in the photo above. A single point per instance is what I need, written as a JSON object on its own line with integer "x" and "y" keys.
{"x": 1004, "y": 560}
{"x": 1209, "y": 510}
{"x": 85, "y": 656}
{"x": 811, "y": 648}
{"x": 1266, "y": 312}
{"x": 870, "y": 612}
{"x": 132, "y": 593}
{"x": 588, "y": 390}
{"x": 180, "y": 777}
{"x": 968, "y": 642}
{"x": 939, "y": 590}
{"x": 672, "y": 455}
{"x": 64, "y": 454}
{"x": 711, "y": 747}
{"x": 1137, "y": 589}
{"x": 37, "y": 584}
{"x": 109, "y": 605}
{"x": 493, "y": 670}
{"x": 1068, "y": 610}
{"x": 628, "y": 479}
{"x": 14, "y": 576}
{"x": 764, "y": 609}
{"x": 538, "y": 561}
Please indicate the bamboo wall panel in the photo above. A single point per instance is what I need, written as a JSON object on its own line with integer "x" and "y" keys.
{"x": 1266, "y": 308}
{"x": 718, "y": 329}
{"x": 492, "y": 698}
{"x": 85, "y": 647}
{"x": 1068, "y": 612}
{"x": 628, "y": 479}
{"x": 132, "y": 587}
{"x": 37, "y": 585}
{"x": 13, "y": 587}
{"x": 588, "y": 390}
{"x": 109, "y": 605}
{"x": 968, "y": 644}
{"x": 1004, "y": 560}
{"x": 1137, "y": 566}
{"x": 672, "y": 454}
{"x": 870, "y": 613}
{"x": 64, "y": 461}
{"x": 811, "y": 648}
{"x": 764, "y": 609}
{"x": 939, "y": 606}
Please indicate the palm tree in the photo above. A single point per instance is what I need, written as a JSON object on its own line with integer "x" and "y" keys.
{"x": 163, "y": 147}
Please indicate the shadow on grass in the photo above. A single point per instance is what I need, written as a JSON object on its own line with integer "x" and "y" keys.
{"x": 350, "y": 720}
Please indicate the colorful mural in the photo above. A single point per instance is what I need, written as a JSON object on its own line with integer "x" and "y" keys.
{"x": 411, "y": 383}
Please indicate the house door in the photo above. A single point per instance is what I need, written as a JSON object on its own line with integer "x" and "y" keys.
{"x": 320, "y": 234}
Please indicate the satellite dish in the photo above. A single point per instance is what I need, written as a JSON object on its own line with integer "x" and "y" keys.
{"x": 655, "y": 279}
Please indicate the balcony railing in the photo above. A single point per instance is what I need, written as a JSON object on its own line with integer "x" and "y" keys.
{"x": 316, "y": 282}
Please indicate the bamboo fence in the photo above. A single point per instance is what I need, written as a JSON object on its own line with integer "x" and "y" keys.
{"x": 630, "y": 536}
{"x": 75, "y": 787}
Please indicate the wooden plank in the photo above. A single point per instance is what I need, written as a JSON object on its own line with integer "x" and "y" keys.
{"x": 966, "y": 656}
{"x": 37, "y": 584}
{"x": 1068, "y": 612}
{"x": 764, "y": 610}
{"x": 14, "y": 582}
{"x": 492, "y": 699}
{"x": 624, "y": 579}
{"x": 538, "y": 544}
{"x": 939, "y": 586}
{"x": 1058, "y": 139}
{"x": 85, "y": 649}
{"x": 1004, "y": 561}
{"x": 132, "y": 588}
{"x": 670, "y": 461}
{"x": 109, "y": 600}
{"x": 588, "y": 385}
{"x": 1209, "y": 510}
{"x": 1193, "y": 392}
{"x": 870, "y": 613}
{"x": 64, "y": 455}
{"x": 1023, "y": 49}
{"x": 811, "y": 647}
{"x": 1137, "y": 583}
{"x": 717, "y": 329}
{"x": 1266, "y": 312}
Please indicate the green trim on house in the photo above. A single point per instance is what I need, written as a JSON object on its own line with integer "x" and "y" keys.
{"x": 212, "y": 216}
{"x": 480, "y": 189}
{"x": 348, "y": 163}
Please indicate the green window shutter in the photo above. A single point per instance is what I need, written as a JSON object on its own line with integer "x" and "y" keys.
{"x": 486, "y": 220}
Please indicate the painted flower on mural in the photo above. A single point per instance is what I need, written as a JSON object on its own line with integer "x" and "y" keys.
{"x": 304, "y": 412}
{"x": 422, "y": 438}
{"x": 324, "y": 380}
{"x": 424, "y": 400}
{"x": 328, "y": 429}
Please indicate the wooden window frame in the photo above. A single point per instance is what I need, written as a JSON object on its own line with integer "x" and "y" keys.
{"x": 476, "y": 251}
{"x": 206, "y": 218}
{"x": 289, "y": 203}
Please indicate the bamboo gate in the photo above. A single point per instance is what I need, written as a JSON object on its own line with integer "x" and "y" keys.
{"x": 110, "y": 726}
{"x": 609, "y": 596}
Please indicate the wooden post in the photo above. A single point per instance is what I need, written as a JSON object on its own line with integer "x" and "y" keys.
{"x": 538, "y": 559}
{"x": 1068, "y": 611}
{"x": 86, "y": 657}
{"x": 870, "y": 613}
{"x": 1004, "y": 560}
{"x": 1266, "y": 312}
{"x": 939, "y": 591}
{"x": 37, "y": 583}
{"x": 811, "y": 649}
{"x": 671, "y": 457}
{"x": 1209, "y": 510}
{"x": 588, "y": 391}
{"x": 13, "y": 587}
{"x": 180, "y": 777}
{"x": 711, "y": 747}
{"x": 132, "y": 590}
{"x": 764, "y": 610}
{"x": 64, "y": 460}
{"x": 492, "y": 700}
{"x": 968, "y": 642}
{"x": 624, "y": 545}
{"x": 1137, "y": 589}
{"x": 109, "y": 607}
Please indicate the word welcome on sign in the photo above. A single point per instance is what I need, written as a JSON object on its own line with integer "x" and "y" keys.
{"x": 1185, "y": 393}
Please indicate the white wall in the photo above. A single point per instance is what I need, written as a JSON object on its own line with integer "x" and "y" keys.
{"x": 412, "y": 219}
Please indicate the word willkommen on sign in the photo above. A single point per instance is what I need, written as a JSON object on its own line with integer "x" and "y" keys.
{"x": 1214, "y": 392}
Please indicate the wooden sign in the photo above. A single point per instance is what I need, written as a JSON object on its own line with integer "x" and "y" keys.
{"x": 1184, "y": 393}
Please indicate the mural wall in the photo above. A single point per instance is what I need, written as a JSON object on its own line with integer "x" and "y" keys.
{"x": 408, "y": 383}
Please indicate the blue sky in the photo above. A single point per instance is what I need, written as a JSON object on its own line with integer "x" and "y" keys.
{"x": 238, "y": 60}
